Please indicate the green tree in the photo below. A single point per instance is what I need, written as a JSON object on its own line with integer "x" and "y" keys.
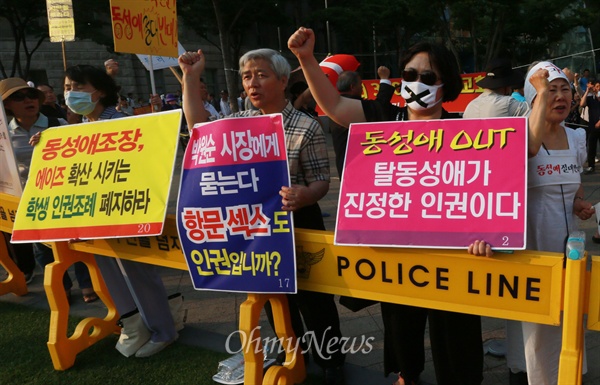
{"x": 363, "y": 28}
{"x": 230, "y": 22}
{"x": 26, "y": 20}
{"x": 527, "y": 29}
{"x": 93, "y": 22}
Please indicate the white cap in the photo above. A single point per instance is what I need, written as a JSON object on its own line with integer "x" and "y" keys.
{"x": 553, "y": 73}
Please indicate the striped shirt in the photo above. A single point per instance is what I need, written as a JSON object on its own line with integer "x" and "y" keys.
{"x": 109, "y": 112}
{"x": 306, "y": 146}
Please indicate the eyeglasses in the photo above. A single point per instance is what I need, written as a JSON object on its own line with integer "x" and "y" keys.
{"x": 411, "y": 75}
{"x": 20, "y": 96}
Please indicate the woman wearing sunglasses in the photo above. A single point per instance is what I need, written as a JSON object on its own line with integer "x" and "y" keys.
{"x": 430, "y": 77}
{"x": 23, "y": 104}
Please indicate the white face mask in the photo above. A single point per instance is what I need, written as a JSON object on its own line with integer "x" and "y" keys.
{"x": 419, "y": 96}
{"x": 80, "y": 102}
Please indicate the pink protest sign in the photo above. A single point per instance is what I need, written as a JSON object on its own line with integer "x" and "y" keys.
{"x": 439, "y": 184}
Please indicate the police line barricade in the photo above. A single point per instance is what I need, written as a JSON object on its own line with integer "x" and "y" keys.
{"x": 593, "y": 295}
{"x": 15, "y": 280}
{"x": 523, "y": 286}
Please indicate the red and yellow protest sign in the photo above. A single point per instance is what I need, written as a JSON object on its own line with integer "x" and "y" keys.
{"x": 147, "y": 27}
{"x": 103, "y": 179}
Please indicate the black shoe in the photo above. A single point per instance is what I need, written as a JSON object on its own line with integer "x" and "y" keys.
{"x": 519, "y": 378}
{"x": 335, "y": 376}
{"x": 588, "y": 170}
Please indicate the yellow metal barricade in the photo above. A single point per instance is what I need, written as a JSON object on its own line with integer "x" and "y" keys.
{"x": 525, "y": 286}
{"x": 15, "y": 281}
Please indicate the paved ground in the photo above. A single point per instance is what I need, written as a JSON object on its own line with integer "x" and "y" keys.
{"x": 213, "y": 316}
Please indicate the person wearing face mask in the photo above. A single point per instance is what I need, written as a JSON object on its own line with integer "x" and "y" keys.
{"x": 430, "y": 76}
{"x": 136, "y": 288}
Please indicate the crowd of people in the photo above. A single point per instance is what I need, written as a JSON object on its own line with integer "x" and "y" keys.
{"x": 563, "y": 112}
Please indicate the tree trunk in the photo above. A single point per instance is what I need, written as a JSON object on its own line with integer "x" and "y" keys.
{"x": 229, "y": 61}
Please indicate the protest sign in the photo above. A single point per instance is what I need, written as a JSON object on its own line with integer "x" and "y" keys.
{"x": 61, "y": 25}
{"x": 153, "y": 63}
{"x": 103, "y": 179}
{"x": 10, "y": 180}
{"x": 438, "y": 183}
{"x": 233, "y": 232}
{"x": 145, "y": 26}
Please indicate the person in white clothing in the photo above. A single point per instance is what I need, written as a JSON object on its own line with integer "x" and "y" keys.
{"x": 553, "y": 200}
{"x": 224, "y": 103}
{"x": 212, "y": 111}
{"x": 495, "y": 101}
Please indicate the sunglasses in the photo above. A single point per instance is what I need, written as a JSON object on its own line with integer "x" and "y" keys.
{"x": 411, "y": 75}
{"x": 20, "y": 96}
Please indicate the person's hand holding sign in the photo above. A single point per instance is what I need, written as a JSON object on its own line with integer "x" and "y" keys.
{"x": 480, "y": 249}
{"x": 35, "y": 139}
{"x": 297, "y": 196}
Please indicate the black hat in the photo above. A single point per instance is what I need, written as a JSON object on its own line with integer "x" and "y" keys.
{"x": 499, "y": 73}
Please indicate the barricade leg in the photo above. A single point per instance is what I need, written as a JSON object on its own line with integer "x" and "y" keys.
{"x": 15, "y": 282}
{"x": 293, "y": 371}
{"x": 63, "y": 349}
{"x": 571, "y": 355}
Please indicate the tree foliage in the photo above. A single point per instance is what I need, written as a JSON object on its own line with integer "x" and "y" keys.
{"x": 227, "y": 24}
{"x": 26, "y": 21}
{"x": 475, "y": 30}
{"x": 92, "y": 22}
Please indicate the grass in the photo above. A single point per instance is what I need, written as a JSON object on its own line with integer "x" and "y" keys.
{"x": 25, "y": 360}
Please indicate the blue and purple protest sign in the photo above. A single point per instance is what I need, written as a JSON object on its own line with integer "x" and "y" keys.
{"x": 234, "y": 235}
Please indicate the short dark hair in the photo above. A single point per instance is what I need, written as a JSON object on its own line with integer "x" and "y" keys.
{"x": 297, "y": 88}
{"x": 444, "y": 61}
{"x": 346, "y": 80}
{"x": 87, "y": 74}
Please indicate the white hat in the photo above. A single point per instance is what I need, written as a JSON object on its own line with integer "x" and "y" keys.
{"x": 553, "y": 73}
